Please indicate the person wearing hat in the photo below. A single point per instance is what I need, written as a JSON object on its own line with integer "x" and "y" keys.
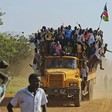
{"x": 31, "y": 98}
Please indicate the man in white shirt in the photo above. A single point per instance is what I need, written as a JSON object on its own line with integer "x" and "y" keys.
{"x": 31, "y": 98}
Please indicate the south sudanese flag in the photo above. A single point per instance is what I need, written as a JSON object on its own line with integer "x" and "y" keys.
{"x": 104, "y": 14}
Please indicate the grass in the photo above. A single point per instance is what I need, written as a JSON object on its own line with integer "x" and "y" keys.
{"x": 16, "y": 83}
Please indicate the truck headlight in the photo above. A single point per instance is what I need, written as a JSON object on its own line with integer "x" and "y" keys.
{"x": 73, "y": 84}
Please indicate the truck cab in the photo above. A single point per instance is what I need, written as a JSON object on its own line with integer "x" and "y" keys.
{"x": 62, "y": 78}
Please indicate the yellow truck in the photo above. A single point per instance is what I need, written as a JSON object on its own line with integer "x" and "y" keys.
{"x": 62, "y": 78}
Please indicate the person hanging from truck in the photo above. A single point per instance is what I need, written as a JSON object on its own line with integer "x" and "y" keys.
{"x": 97, "y": 58}
{"x": 35, "y": 41}
{"x": 84, "y": 74}
{"x": 79, "y": 50}
{"x": 42, "y": 49}
{"x": 101, "y": 53}
{"x": 36, "y": 62}
{"x": 84, "y": 50}
{"x": 106, "y": 49}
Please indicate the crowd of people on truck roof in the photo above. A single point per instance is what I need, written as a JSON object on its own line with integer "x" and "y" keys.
{"x": 86, "y": 43}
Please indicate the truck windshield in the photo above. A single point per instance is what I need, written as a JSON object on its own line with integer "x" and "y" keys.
{"x": 60, "y": 63}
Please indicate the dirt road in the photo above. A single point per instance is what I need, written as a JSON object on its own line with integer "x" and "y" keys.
{"x": 102, "y": 102}
{"x": 97, "y": 105}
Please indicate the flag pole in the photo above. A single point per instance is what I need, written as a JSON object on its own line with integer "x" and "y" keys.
{"x": 100, "y": 23}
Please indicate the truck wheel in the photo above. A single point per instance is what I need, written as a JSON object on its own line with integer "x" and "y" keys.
{"x": 90, "y": 90}
{"x": 77, "y": 99}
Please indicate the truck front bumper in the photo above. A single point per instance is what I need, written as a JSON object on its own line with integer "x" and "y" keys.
{"x": 61, "y": 91}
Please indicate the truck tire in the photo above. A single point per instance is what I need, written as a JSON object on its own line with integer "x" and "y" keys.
{"x": 77, "y": 99}
{"x": 92, "y": 88}
{"x": 89, "y": 95}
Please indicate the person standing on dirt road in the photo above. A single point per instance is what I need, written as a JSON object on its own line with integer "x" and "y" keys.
{"x": 31, "y": 98}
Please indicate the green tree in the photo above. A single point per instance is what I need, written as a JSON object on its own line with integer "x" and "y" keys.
{"x": 1, "y": 14}
{"x": 14, "y": 50}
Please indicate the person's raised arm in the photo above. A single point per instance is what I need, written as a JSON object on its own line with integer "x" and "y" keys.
{"x": 9, "y": 107}
{"x": 109, "y": 51}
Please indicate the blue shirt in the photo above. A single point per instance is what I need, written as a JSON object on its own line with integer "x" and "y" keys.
{"x": 1, "y": 90}
{"x": 68, "y": 33}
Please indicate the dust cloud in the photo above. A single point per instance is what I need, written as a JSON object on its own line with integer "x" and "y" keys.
{"x": 24, "y": 67}
{"x": 103, "y": 90}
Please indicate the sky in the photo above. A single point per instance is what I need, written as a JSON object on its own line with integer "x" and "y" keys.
{"x": 29, "y": 16}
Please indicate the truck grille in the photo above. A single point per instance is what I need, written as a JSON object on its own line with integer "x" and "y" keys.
{"x": 56, "y": 80}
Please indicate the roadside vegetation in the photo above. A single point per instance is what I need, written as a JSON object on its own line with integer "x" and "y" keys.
{"x": 16, "y": 84}
{"x": 17, "y": 51}
{"x": 14, "y": 49}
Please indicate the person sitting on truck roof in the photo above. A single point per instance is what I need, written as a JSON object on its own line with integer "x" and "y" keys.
{"x": 92, "y": 49}
{"x": 35, "y": 40}
{"x": 58, "y": 48}
{"x": 91, "y": 39}
{"x": 48, "y": 39}
{"x": 68, "y": 33}
{"x": 68, "y": 49}
{"x": 64, "y": 34}
{"x": 60, "y": 36}
{"x": 52, "y": 47}
{"x": 80, "y": 38}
